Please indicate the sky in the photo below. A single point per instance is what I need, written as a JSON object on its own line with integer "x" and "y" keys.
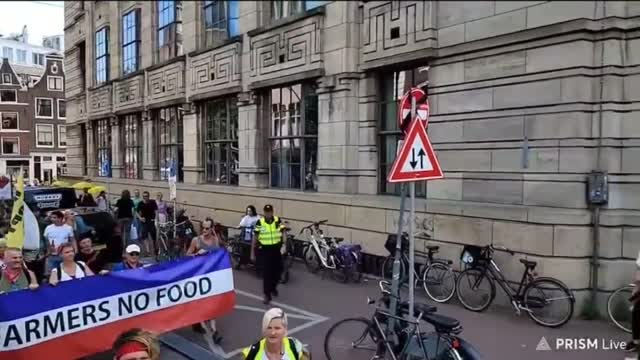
{"x": 43, "y": 18}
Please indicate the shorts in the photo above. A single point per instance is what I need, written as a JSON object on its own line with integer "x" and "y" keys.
{"x": 52, "y": 262}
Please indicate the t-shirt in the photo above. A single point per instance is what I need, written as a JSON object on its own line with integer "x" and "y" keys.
{"x": 58, "y": 234}
{"x": 77, "y": 275}
{"x": 125, "y": 208}
{"x": 148, "y": 210}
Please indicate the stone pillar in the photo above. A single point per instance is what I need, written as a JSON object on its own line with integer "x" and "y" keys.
{"x": 150, "y": 148}
{"x": 338, "y": 134}
{"x": 192, "y": 146}
{"x": 367, "y": 135}
{"x": 92, "y": 169}
{"x": 252, "y": 141}
{"x": 116, "y": 148}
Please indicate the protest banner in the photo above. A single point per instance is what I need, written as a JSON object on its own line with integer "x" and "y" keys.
{"x": 15, "y": 238}
{"x": 83, "y": 317}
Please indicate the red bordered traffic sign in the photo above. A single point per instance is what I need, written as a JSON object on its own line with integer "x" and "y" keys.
{"x": 416, "y": 160}
{"x": 404, "y": 110}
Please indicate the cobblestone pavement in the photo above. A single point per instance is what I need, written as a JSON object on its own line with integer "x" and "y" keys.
{"x": 314, "y": 305}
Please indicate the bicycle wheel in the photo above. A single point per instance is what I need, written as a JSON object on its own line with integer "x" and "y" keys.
{"x": 312, "y": 260}
{"x": 439, "y": 282}
{"x": 619, "y": 307}
{"x": 471, "y": 283}
{"x": 541, "y": 295}
{"x": 353, "y": 339}
{"x": 387, "y": 269}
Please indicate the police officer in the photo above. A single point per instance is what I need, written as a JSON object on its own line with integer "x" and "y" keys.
{"x": 269, "y": 239}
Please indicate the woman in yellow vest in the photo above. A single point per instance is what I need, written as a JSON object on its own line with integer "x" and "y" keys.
{"x": 276, "y": 345}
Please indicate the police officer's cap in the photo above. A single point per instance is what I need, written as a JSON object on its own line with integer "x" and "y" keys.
{"x": 268, "y": 208}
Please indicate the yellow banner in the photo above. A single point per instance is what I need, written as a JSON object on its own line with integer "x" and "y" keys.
{"x": 15, "y": 238}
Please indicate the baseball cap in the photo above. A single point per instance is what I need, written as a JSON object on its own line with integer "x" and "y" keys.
{"x": 268, "y": 208}
{"x": 132, "y": 248}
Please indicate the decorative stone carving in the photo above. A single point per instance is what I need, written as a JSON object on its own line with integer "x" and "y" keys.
{"x": 166, "y": 83}
{"x": 129, "y": 93}
{"x": 287, "y": 50}
{"x": 100, "y": 101}
{"x": 76, "y": 109}
{"x": 216, "y": 70}
{"x": 391, "y": 28}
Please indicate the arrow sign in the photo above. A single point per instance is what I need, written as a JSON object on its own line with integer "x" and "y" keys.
{"x": 416, "y": 160}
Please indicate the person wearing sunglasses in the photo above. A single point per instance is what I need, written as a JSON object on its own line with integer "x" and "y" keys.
{"x": 131, "y": 259}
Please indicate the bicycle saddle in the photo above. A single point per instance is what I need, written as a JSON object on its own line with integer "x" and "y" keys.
{"x": 433, "y": 248}
{"x": 338, "y": 240}
{"x": 529, "y": 263}
{"x": 442, "y": 324}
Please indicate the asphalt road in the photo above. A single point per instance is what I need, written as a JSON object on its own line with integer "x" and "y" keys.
{"x": 314, "y": 305}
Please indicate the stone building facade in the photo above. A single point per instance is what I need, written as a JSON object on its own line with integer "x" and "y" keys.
{"x": 293, "y": 103}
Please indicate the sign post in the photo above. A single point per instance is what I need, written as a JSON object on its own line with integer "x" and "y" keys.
{"x": 416, "y": 161}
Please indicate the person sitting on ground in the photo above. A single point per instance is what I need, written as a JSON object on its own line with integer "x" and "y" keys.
{"x": 57, "y": 234}
{"x": 16, "y": 276}
{"x": 276, "y": 344}
{"x": 200, "y": 245}
{"x": 95, "y": 260}
{"x": 136, "y": 344}
{"x": 69, "y": 269}
{"x": 131, "y": 259}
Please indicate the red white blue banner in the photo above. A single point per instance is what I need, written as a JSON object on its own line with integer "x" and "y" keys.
{"x": 82, "y": 317}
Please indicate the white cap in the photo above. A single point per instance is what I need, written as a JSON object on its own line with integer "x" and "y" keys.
{"x": 132, "y": 248}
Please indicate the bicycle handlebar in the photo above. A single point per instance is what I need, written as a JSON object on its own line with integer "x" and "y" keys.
{"x": 313, "y": 225}
{"x": 492, "y": 247}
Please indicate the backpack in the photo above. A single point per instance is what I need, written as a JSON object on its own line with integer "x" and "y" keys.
{"x": 256, "y": 347}
{"x": 59, "y": 269}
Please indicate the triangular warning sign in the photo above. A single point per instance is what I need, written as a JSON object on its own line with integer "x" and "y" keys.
{"x": 416, "y": 160}
{"x": 543, "y": 345}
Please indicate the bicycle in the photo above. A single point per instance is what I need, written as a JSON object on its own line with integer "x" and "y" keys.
{"x": 404, "y": 341}
{"x": 532, "y": 292}
{"x": 324, "y": 253}
{"x": 167, "y": 249}
{"x": 619, "y": 307}
{"x": 436, "y": 275}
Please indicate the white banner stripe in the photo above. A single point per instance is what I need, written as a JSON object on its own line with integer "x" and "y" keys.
{"x": 45, "y": 326}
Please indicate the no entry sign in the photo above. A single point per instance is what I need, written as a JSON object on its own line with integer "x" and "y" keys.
{"x": 404, "y": 112}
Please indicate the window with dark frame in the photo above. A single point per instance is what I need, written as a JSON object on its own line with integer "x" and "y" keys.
{"x": 170, "y": 146}
{"x": 55, "y": 83}
{"x": 10, "y": 146}
{"x": 102, "y": 136}
{"x": 284, "y": 8}
{"x": 44, "y": 108}
{"x": 132, "y": 135}
{"x": 130, "y": 41}
{"x": 62, "y": 109}
{"x": 62, "y": 136}
{"x": 394, "y": 85}
{"x": 8, "y": 96}
{"x": 102, "y": 56}
{"x": 220, "y": 20}
{"x": 6, "y": 79}
{"x": 221, "y": 141}
{"x": 293, "y": 137}
{"x": 167, "y": 45}
{"x": 44, "y": 133}
{"x": 9, "y": 120}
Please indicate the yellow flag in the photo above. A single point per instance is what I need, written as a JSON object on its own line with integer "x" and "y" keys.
{"x": 15, "y": 238}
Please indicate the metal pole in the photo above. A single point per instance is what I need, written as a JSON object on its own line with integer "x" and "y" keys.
{"x": 395, "y": 281}
{"x": 412, "y": 191}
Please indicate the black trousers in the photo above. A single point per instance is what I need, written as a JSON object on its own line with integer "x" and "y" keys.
{"x": 271, "y": 260}
{"x": 635, "y": 321}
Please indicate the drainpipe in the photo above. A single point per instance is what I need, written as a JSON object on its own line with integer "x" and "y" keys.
{"x": 595, "y": 252}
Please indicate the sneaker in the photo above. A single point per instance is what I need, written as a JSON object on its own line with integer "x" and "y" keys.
{"x": 266, "y": 300}
{"x": 217, "y": 339}
{"x": 631, "y": 347}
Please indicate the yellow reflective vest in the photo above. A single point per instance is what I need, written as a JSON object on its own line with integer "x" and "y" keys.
{"x": 269, "y": 234}
{"x": 291, "y": 346}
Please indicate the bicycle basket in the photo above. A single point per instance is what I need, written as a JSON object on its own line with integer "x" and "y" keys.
{"x": 390, "y": 244}
{"x": 472, "y": 255}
